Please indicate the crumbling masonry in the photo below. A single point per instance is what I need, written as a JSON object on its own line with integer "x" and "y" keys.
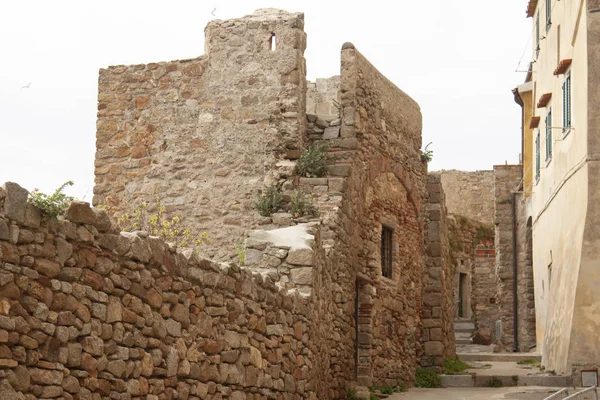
{"x": 91, "y": 313}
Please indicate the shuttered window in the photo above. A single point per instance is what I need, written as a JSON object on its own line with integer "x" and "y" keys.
{"x": 537, "y": 155}
{"x": 549, "y": 135}
{"x": 567, "y": 103}
{"x": 537, "y": 35}
{"x": 548, "y": 14}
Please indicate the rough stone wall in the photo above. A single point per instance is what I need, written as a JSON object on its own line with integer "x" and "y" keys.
{"x": 485, "y": 294}
{"x": 470, "y": 194}
{"x": 207, "y": 134}
{"x": 525, "y": 289}
{"x": 385, "y": 187}
{"x": 438, "y": 289}
{"x": 478, "y": 263}
{"x": 322, "y": 96}
{"x": 506, "y": 182}
{"x": 86, "y": 312}
{"x": 369, "y": 326}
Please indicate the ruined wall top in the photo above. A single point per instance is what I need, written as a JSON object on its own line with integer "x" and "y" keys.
{"x": 470, "y": 193}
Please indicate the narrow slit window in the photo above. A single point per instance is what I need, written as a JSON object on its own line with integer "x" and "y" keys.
{"x": 273, "y": 42}
{"x": 387, "y": 235}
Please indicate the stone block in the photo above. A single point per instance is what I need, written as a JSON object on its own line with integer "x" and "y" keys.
{"x": 4, "y": 230}
{"x": 15, "y": 202}
{"x": 332, "y": 132}
{"x": 434, "y": 349}
{"x": 253, "y": 257}
{"x": 436, "y": 334}
{"x": 33, "y": 216}
{"x": 80, "y": 212}
{"x": 303, "y": 256}
{"x": 282, "y": 219}
{"x": 432, "y": 299}
{"x": 302, "y": 276}
{"x": 339, "y": 169}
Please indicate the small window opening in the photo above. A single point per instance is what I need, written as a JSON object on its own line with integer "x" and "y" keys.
{"x": 386, "y": 251}
{"x": 273, "y": 42}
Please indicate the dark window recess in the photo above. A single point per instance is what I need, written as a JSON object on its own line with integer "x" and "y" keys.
{"x": 386, "y": 251}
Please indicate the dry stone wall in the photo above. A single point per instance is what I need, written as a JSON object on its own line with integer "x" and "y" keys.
{"x": 385, "y": 187}
{"x": 470, "y": 194}
{"x": 206, "y": 135}
{"x": 88, "y": 313}
{"x": 438, "y": 286}
{"x": 478, "y": 264}
{"x": 507, "y": 182}
{"x": 248, "y": 117}
{"x": 525, "y": 288}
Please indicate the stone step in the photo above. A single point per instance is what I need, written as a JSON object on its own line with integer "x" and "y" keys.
{"x": 463, "y": 341}
{"x": 462, "y": 335}
{"x": 484, "y": 380}
{"x": 464, "y": 326}
{"x": 498, "y": 356}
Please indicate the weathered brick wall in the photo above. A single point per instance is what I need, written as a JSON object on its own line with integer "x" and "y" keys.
{"x": 385, "y": 186}
{"x": 88, "y": 313}
{"x": 470, "y": 193}
{"x": 438, "y": 286}
{"x": 207, "y": 134}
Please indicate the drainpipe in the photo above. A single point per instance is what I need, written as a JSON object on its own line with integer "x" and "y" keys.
{"x": 515, "y": 270}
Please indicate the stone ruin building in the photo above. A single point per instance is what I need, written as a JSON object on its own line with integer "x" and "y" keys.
{"x": 359, "y": 294}
{"x": 491, "y": 244}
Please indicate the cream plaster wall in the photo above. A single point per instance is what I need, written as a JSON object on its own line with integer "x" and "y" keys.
{"x": 563, "y": 182}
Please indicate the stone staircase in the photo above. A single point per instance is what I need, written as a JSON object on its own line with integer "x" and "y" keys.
{"x": 503, "y": 369}
{"x": 463, "y": 331}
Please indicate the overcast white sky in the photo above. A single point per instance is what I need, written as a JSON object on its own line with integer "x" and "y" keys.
{"x": 456, "y": 58}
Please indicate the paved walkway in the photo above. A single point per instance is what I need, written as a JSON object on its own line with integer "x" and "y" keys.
{"x": 512, "y": 393}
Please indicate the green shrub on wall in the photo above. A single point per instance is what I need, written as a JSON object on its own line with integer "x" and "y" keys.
{"x": 52, "y": 205}
{"x": 270, "y": 201}
{"x": 312, "y": 161}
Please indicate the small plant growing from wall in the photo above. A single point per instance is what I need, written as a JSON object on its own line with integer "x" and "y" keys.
{"x": 52, "y": 205}
{"x": 270, "y": 201}
{"x": 311, "y": 163}
{"x": 426, "y": 154}
{"x": 301, "y": 205}
{"x": 454, "y": 366}
{"x": 156, "y": 223}
{"x": 425, "y": 378}
{"x": 241, "y": 253}
{"x": 494, "y": 382}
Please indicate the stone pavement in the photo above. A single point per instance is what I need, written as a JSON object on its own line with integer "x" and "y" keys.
{"x": 510, "y": 393}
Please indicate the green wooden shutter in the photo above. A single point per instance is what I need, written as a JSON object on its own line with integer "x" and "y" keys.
{"x": 549, "y": 134}
{"x": 548, "y": 14}
{"x": 537, "y": 35}
{"x": 537, "y": 155}
{"x": 567, "y": 102}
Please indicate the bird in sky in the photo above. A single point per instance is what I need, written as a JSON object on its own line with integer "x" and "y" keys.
{"x": 213, "y": 12}
{"x": 26, "y": 86}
